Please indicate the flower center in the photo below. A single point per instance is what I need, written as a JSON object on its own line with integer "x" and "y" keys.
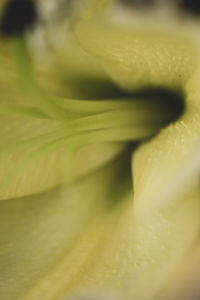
{"x": 112, "y": 116}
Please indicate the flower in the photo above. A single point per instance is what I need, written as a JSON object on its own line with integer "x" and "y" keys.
{"x": 84, "y": 208}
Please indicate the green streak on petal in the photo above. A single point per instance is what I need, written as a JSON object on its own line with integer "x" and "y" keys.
{"x": 21, "y": 110}
{"x": 43, "y": 102}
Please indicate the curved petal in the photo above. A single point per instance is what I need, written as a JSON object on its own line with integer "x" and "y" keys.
{"x": 166, "y": 169}
{"x": 46, "y": 240}
{"x": 140, "y": 58}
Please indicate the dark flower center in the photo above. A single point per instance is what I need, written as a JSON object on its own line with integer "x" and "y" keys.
{"x": 18, "y": 16}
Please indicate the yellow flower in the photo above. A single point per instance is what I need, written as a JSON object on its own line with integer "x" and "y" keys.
{"x": 99, "y": 158}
